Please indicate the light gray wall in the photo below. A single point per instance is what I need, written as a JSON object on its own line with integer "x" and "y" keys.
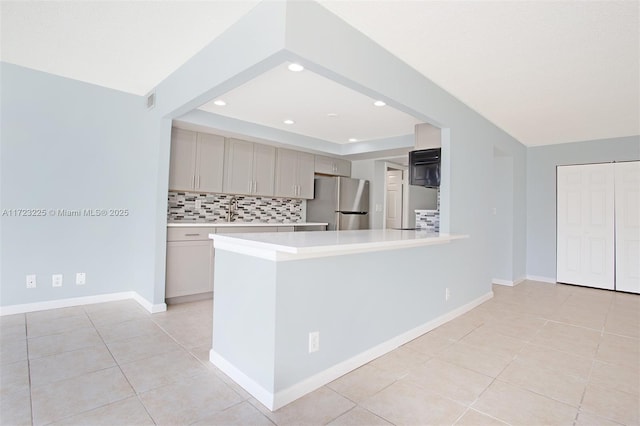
{"x": 541, "y": 191}
{"x": 502, "y": 221}
{"x": 72, "y": 145}
{"x": 110, "y": 145}
{"x": 244, "y": 314}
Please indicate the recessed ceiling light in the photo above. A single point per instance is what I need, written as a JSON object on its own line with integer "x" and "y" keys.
{"x": 332, "y": 115}
{"x": 295, "y": 67}
{"x": 353, "y": 140}
{"x": 288, "y": 122}
{"x": 379, "y": 103}
{"x": 219, "y": 102}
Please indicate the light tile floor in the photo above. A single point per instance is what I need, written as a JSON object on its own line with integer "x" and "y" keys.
{"x": 536, "y": 354}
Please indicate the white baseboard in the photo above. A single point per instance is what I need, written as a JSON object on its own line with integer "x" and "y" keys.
{"x": 256, "y": 390}
{"x": 507, "y": 282}
{"x": 78, "y": 301}
{"x": 551, "y": 280}
{"x": 280, "y": 399}
{"x": 158, "y": 307}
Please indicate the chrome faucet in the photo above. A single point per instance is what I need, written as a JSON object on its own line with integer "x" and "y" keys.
{"x": 232, "y": 209}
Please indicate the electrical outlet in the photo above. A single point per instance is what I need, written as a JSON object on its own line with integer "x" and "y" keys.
{"x": 31, "y": 281}
{"x": 314, "y": 341}
{"x": 198, "y": 204}
{"x": 447, "y": 294}
{"x": 56, "y": 280}
{"x": 81, "y": 278}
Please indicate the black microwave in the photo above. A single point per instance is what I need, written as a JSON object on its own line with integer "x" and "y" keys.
{"x": 424, "y": 167}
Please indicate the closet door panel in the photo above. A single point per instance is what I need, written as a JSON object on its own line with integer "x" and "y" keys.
{"x": 585, "y": 221}
{"x": 627, "y": 182}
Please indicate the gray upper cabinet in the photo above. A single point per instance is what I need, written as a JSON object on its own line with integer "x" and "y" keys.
{"x": 332, "y": 166}
{"x": 196, "y": 161}
{"x": 249, "y": 168}
{"x": 294, "y": 174}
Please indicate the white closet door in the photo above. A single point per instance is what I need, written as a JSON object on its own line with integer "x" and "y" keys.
{"x": 627, "y": 178}
{"x": 585, "y": 222}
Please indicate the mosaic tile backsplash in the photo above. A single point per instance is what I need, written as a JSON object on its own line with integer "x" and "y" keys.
{"x": 213, "y": 208}
{"x": 429, "y": 219}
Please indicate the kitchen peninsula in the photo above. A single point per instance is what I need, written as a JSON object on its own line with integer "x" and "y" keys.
{"x": 294, "y": 311}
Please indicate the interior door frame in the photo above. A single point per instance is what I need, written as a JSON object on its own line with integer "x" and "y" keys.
{"x": 388, "y": 165}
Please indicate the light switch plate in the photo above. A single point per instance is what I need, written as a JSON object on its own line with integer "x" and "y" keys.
{"x": 314, "y": 341}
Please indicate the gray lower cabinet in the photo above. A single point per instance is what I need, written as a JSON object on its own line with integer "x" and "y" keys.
{"x": 190, "y": 257}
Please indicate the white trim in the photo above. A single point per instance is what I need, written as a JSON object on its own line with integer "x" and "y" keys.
{"x": 78, "y": 301}
{"x": 290, "y": 394}
{"x": 256, "y": 390}
{"x": 158, "y": 307}
{"x": 507, "y": 282}
{"x": 551, "y": 280}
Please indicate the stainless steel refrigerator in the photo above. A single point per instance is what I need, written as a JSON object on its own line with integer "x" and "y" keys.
{"x": 341, "y": 202}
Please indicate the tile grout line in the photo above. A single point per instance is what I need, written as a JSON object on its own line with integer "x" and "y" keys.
{"x": 137, "y": 395}
{"x": 26, "y": 343}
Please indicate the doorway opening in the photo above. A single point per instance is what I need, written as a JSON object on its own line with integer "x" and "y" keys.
{"x": 395, "y": 196}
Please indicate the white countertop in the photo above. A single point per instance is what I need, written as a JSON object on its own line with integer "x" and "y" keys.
{"x": 304, "y": 245}
{"x": 238, "y": 224}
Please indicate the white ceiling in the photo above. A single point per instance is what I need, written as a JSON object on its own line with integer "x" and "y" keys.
{"x": 544, "y": 71}
{"x": 308, "y": 99}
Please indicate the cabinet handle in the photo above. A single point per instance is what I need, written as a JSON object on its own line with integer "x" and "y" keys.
{"x": 250, "y": 186}
{"x": 255, "y": 186}
{"x": 193, "y": 181}
{"x": 198, "y": 182}
{"x": 191, "y": 235}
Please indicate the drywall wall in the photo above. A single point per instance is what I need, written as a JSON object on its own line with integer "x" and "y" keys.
{"x": 541, "y": 192}
{"x": 70, "y": 149}
{"x": 124, "y": 151}
{"x": 502, "y": 219}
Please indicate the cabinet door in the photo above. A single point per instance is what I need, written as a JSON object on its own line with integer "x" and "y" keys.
{"x": 305, "y": 175}
{"x": 209, "y": 163}
{"x": 343, "y": 167}
{"x": 324, "y": 165}
{"x": 286, "y": 173}
{"x": 189, "y": 268}
{"x": 238, "y": 166}
{"x": 264, "y": 167}
{"x": 183, "y": 157}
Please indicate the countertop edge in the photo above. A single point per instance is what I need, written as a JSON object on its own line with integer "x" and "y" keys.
{"x": 278, "y": 252}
